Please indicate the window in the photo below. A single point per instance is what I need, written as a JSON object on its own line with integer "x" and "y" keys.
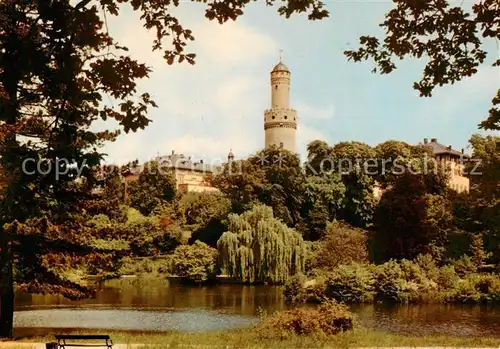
{"x": 281, "y": 144}
{"x": 275, "y": 87}
{"x": 286, "y": 117}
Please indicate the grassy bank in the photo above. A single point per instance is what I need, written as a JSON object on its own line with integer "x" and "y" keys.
{"x": 249, "y": 339}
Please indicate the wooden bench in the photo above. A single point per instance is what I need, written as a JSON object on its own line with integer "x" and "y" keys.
{"x": 62, "y": 341}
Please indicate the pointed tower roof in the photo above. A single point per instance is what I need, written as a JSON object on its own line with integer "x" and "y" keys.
{"x": 280, "y": 66}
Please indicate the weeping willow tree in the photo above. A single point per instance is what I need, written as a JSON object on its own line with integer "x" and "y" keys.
{"x": 260, "y": 248}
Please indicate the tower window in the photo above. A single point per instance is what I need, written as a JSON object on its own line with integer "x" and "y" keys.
{"x": 273, "y": 117}
{"x": 286, "y": 117}
{"x": 275, "y": 87}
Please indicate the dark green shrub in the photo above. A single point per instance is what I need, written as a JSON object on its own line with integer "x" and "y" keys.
{"x": 420, "y": 276}
{"x": 148, "y": 238}
{"x": 103, "y": 265}
{"x": 342, "y": 244}
{"x": 464, "y": 266}
{"x": 294, "y": 290}
{"x": 327, "y": 319}
{"x": 315, "y": 293}
{"x": 390, "y": 283}
{"x": 312, "y": 248}
{"x": 479, "y": 255}
{"x": 351, "y": 284}
{"x": 428, "y": 266}
{"x": 489, "y": 287}
{"x": 465, "y": 292}
{"x": 447, "y": 278}
{"x": 165, "y": 266}
{"x": 194, "y": 263}
{"x": 401, "y": 281}
{"x": 99, "y": 221}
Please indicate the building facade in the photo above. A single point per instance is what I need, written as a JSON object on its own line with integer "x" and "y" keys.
{"x": 189, "y": 175}
{"x": 280, "y": 121}
{"x": 454, "y": 160}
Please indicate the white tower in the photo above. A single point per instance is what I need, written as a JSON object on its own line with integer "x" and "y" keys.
{"x": 280, "y": 122}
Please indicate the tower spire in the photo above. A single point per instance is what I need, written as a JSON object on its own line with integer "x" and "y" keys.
{"x": 281, "y": 55}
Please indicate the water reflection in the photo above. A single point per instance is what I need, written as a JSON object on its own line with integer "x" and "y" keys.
{"x": 457, "y": 320}
{"x": 146, "y": 293}
{"x": 152, "y": 304}
{"x": 122, "y": 319}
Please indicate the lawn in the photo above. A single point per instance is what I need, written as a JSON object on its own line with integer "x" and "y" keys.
{"x": 244, "y": 339}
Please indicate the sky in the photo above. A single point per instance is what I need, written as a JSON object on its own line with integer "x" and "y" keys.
{"x": 218, "y": 104}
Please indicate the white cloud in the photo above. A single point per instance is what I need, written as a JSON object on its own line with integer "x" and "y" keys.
{"x": 203, "y": 109}
{"x": 235, "y": 94}
{"x": 128, "y": 147}
{"x": 308, "y": 112}
{"x": 231, "y": 43}
{"x": 306, "y": 135}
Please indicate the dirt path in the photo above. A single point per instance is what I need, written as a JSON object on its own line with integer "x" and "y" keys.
{"x": 27, "y": 345}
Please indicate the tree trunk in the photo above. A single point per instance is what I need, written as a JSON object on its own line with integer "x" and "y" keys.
{"x": 7, "y": 302}
{"x": 11, "y": 78}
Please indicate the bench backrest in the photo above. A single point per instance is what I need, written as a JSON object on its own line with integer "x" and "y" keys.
{"x": 83, "y": 337}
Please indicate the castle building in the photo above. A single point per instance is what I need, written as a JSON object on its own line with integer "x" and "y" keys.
{"x": 280, "y": 121}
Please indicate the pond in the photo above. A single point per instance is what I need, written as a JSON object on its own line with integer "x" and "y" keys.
{"x": 157, "y": 305}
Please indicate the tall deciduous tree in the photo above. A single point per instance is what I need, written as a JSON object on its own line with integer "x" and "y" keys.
{"x": 395, "y": 157}
{"x": 325, "y": 195}
{"x": 342, "y": 244}
{"x": 413, "y": 217}
{"x": 272, "y": 176}
{"x": 109, "y": 195}
{"x": 154, "y": 187}
{"x": 241, "y": 181}
{"x": 451, "y": 38}
{"x": 480, "y": 211}
{"x": 349, "y": 160}
{"x": 204, "y": 215}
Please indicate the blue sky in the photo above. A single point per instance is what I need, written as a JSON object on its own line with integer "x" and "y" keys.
{"x": 218, "y": 104}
